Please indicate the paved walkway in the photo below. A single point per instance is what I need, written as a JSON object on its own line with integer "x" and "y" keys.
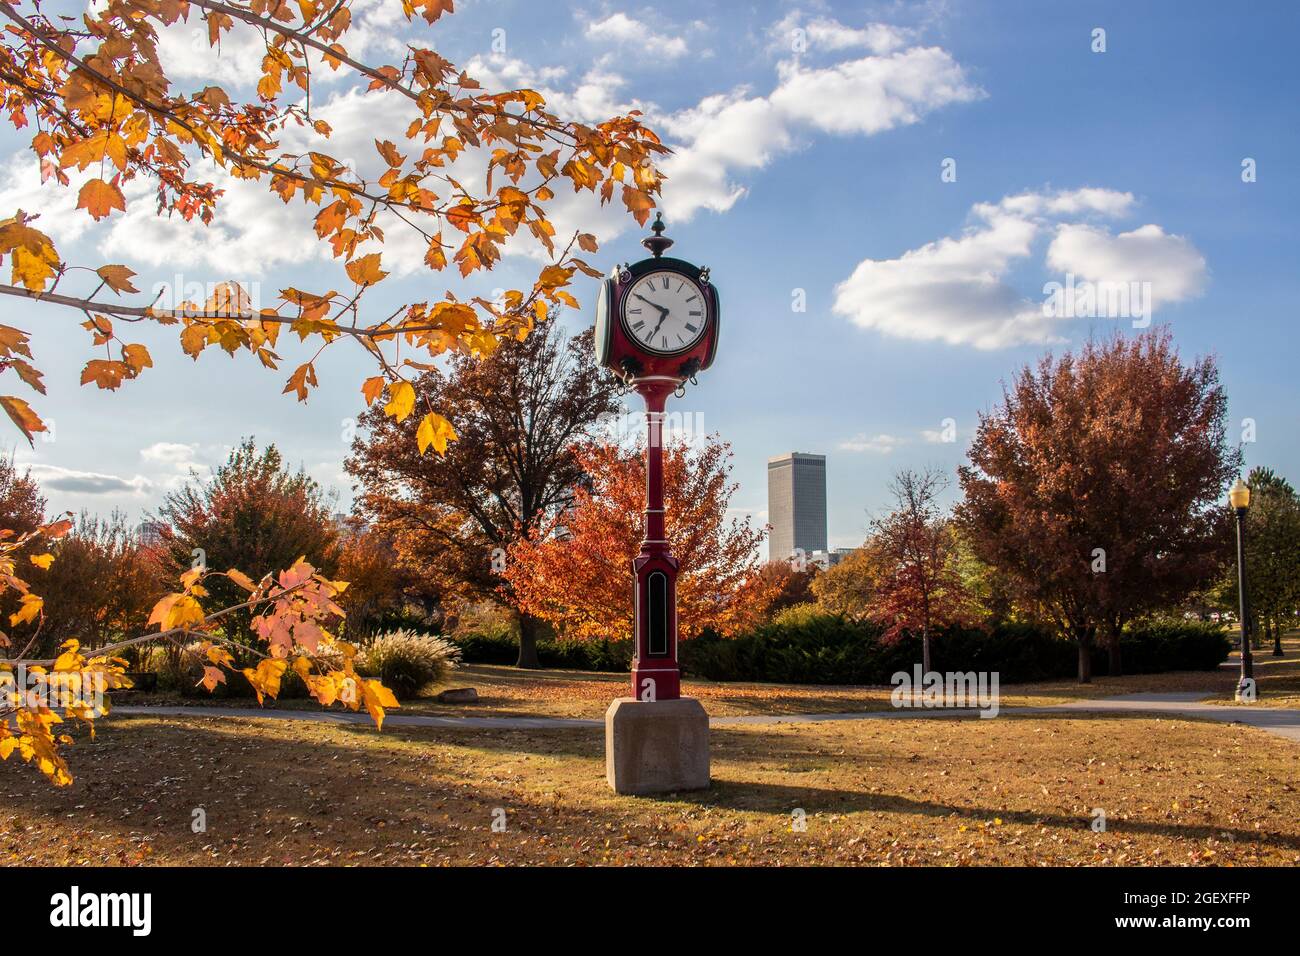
{"x": 1282, "y": 722}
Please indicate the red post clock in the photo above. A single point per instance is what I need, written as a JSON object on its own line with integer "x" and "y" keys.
{"x": 656, "y": 328}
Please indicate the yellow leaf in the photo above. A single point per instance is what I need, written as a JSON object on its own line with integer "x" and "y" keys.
{"x": 366, "y": 271}
{"x": 184, "y": 612}
{"x": 30, "y": 607}
{"x": 372, "y": 388}
{"x": 42, "y": 561}
{"x": 242, "y": 579}
{"x": 377, "y": 697}
{"x": 175, "y": 610}
{"x": 22, "y": 415}
{"x": 70, "y": 659}
{"x": 212, "y": 676}
{"x": 33, "y": 256}
{"x": 137, "y": 358}
{"x": 100, "y": 198}
{"x": 265, "y": 680}
{"x": 401, "y": 400}
{"x": 117, "y": 278}
{"x": 436, "y": 431}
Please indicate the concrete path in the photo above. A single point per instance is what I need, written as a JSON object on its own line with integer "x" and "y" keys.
{"x": 1282, "y": 722}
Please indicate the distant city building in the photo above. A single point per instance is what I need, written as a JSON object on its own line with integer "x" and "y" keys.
{"x": 828, "y": 559}
{"x": 150, "y": 532}
{"x": 796, "y": 505}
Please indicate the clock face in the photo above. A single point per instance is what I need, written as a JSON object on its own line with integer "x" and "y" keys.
{"x": 665, "y": 312}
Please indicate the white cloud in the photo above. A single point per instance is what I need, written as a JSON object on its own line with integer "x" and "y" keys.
{"x": 721, "y": 137}
{"x": 624, "y": 30}
{"x": 955, "y": 290}
{"x": 1170, "y": 263}
{"x": 170, "y": 453}
{"x": 737, "y": 131}
{"x": 796, "y": 34}
{"x": 174, "y": 463}
{"x": 70, "y": 480}
{"x": 186, "y": 54}
{"x": 876, "y": 444}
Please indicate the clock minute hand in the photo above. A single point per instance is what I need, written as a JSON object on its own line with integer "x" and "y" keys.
{"x": 662, "y": 310}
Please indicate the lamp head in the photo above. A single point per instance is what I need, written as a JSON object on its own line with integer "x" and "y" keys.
{"x": 1239, "y": 495}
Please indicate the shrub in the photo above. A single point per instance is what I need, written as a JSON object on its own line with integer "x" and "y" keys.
{"x": 831, "y": 649}
{"x": 487, "y": 647}
{"x": 407, "y": 662}
{"x": 798, "y": 615}
{"x": 180, "y": 669}
{"x": 1148, "y": 647}
{"x": 588, "y": 655}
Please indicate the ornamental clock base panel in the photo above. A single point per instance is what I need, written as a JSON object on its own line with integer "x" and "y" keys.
{"x": 656, "y": 746}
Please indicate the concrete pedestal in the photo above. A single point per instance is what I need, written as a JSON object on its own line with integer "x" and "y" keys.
{"x": 656, "y": 746}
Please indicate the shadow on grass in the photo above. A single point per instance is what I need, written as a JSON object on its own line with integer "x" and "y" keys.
{"x": 754, "y": 796}
{"x": 284, "y": 792}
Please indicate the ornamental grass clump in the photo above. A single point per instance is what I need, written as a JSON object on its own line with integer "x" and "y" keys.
{"x": 407, "y": 662}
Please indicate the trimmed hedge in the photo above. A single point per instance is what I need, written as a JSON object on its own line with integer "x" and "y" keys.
{"x": 569, "y": 654}
{"x": 830, "y": 649}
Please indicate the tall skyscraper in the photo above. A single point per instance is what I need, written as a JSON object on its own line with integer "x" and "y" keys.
{"x": 796, "y": 504}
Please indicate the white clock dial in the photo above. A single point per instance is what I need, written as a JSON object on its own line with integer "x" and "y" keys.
{"x": 665, "y": 312}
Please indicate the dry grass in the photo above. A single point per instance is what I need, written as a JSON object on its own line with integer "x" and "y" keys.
{"x": 1017, "y": 790}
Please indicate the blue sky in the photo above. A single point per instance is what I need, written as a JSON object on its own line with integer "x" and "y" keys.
{"x": 811, "y": 141}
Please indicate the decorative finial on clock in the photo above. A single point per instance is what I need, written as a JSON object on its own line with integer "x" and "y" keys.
{"x": 658, "y": 243}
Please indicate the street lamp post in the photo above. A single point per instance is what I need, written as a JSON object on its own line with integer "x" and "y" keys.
{"x": 1239, "y": 500}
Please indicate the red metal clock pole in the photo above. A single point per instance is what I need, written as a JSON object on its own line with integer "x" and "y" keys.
{"x": 655, "y": 673}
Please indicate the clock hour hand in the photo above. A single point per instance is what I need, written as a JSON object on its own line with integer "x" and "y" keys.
{"x": 663, "y": 314}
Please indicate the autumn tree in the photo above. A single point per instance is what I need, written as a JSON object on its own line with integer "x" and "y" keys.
{"x": 789, "y": 584}
{"x": 847, "y": 587}
{"x": 478, "y": 168}
{"x": 1096, "y": 484}
{"x": 916, "y": 581}
{"x": 22, "y": 506}
{"x": 1272, "y": 543}
{"x": 252, "y": 513}
{"x": 522, "y": 412}
{"x": 383, "y": 592}
{"x": 101, "y": 585}
{"x": 576, "y": 573}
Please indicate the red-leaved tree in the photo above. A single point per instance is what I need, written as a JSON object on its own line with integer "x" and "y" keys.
{"x": 917, "y": 581}
{"x": 577, "y": 574}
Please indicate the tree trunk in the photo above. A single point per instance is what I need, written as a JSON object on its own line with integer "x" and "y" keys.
{"x": 1115, "y": 663}
{"x": 1277, "y": 638}
{"x": 925, "y": 650}
{"x": 528, "y": 643}
{"x": 1085, "y": 657}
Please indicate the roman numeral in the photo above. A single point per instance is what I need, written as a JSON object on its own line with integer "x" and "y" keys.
{"x": 692, "y": 298}
{"x": 637, "y": 325}
{"x": 697, "y": 313}
{"x": 665, "y": 283}
{"x": 691, "y": 328}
